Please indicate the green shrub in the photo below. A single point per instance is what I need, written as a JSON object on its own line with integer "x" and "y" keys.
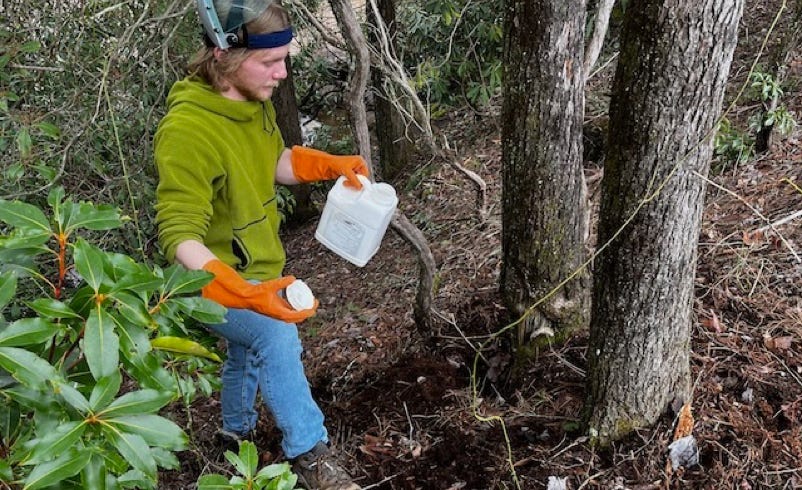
{"x": 82, "y": 88}
{"x": 246, "y": 462}
{"x": 453, "y": 48}
{"x": 85, "y": 352}
{"x": 767, "y": 90}
{"x": 731, "y": 146}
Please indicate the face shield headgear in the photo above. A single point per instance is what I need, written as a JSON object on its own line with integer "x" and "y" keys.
{"x": 224, "y": 24}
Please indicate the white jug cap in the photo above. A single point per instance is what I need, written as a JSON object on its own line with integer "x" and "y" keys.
{"x": 300, "y": 296}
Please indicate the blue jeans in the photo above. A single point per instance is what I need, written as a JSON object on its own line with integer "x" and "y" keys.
{"x": 265, "y": 353}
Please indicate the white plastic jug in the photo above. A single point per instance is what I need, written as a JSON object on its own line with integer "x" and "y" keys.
{"x": 354, "y": 221}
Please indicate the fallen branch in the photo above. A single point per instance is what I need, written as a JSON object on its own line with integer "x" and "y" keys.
{"x": 780, "y": 222}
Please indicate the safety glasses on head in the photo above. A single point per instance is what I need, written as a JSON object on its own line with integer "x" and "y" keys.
{"x": 224, "y": 23}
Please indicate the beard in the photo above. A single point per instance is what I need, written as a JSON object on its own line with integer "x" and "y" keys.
{"x": 252, "y": 92}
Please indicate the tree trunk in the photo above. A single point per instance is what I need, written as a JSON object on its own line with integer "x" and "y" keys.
{"x": 290, "y": 126}
{"x": 358, "y": 48}
{"x": 390, "y": 129}
{"x": 596, "y": 42}
{"x": 667, "y": 94}
{"x": 359, "y": 75}
{"x": 543, "y": 197}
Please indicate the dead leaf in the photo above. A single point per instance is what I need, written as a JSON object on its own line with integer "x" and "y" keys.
{"x": 755, "y": 237}
{"x": 685, "y": 422}
{"x": 783, "y": 343}
{"x": 713, "y": 323}
{"x": 376, "y": 446}
{"x": 777, "y": 343}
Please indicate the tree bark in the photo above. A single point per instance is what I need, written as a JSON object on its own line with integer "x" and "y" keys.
{"x": 543, "y": 196}
{"x": 666, "y": 99}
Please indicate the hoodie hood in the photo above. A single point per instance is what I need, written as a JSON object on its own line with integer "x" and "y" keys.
{"x": 197, "y": 92}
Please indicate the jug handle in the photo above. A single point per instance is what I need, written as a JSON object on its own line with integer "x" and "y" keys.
{"x": 358, "y": 193}
{"x": 366, "y": 183}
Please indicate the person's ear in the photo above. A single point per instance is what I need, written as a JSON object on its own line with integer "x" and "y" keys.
{"x": 219, "y": 53}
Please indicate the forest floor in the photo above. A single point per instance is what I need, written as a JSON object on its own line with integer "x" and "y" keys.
{"x": 399, "y": 407}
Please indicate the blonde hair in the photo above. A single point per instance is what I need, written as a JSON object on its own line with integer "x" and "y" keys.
{"x": 215, "y": 70}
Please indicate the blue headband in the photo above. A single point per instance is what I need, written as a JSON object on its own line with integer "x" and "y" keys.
{"x": 270, "y": 40}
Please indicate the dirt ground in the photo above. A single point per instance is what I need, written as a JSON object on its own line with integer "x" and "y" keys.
{"x": 400, "y": 408}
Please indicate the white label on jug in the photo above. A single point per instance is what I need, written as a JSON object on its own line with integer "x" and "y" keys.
{"x": 345, "y": 234}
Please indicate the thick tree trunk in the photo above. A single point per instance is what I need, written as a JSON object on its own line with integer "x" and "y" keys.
{"x": 667, "y": 94}
{"x": 544, "y": 209}
{"x": 390, "y": 129}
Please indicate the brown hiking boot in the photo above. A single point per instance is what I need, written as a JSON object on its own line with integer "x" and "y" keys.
{"x": 319, "y": 470}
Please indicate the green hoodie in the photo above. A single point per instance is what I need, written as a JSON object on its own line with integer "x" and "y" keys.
{"x": 216, "y": 159}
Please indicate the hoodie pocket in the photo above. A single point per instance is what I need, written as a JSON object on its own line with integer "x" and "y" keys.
{"x": 256, "y": 240}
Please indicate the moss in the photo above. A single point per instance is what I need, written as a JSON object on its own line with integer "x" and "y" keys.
{"x": 602, "y": 438}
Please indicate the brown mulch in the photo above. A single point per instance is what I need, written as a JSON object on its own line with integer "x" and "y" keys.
{"x": 401, "y": 408}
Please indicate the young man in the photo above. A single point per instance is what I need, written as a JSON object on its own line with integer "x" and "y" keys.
{"x": 219, "y": 155}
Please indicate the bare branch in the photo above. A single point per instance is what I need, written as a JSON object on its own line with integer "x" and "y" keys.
{"x": 319, "y": 27}
{"x": 360, "y": 74}
{"x": 599, "y": 31}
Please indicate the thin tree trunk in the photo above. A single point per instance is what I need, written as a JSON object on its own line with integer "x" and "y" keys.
{"x": 346, "y": 18}
{"x": 290, "y": 126}
{"x": 600, "y": 25}
{"x": 360, "y": 73}
{"x": 390, "y": 130}
{"x": 667, "y": 95}
{"x": 544, "y": 209}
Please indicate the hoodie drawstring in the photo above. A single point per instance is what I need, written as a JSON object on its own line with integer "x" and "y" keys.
{"x": 265, "y": 120}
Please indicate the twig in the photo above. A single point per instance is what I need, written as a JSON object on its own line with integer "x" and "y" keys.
{"x": 409, "y": 421}
{"x": 590, "y": 479}
{"x": 781, "y": 222}
{"x": 603, "y": 66}
{"x": 319, "y": 27}
{"x": 462, "y": 334}
{"x": 377, "y": 484}
{"x": 480, "y": 184}
{"x": 37, "y": 68}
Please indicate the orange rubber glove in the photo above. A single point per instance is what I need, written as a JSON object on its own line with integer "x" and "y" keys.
{"x": 232, "y": 291}
{"x": 310, "y": 165}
